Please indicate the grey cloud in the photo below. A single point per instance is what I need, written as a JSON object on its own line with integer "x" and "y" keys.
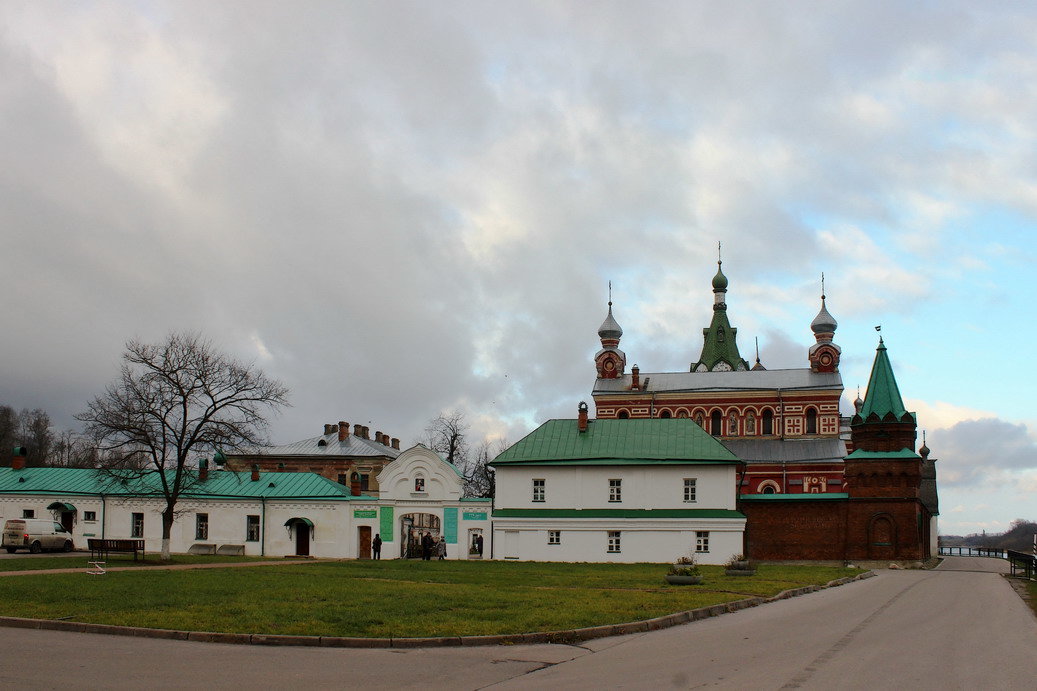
{"x": 982, "y": 452}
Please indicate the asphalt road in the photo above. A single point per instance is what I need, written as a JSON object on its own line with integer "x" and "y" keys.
{"x": 958, "y": 627}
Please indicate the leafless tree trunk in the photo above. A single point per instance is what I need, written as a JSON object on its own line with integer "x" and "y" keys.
{"x": 448, "y": 436}
{"x": 173, "y": 400}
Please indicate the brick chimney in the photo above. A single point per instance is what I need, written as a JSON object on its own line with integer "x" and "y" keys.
{"x": 635, "y": 378}
{"x": 354, "y": 484}
{"x": 18, "y": 458}
{"x": 581, "y": 420}
{"x": 395, "y": 443}
{"x": 328, "y": 429}
{"x": 255, "y": 473}
{"x": 378, "y": 437}
{"x": 343, "y": 430}
{"x": 203, "y": 470}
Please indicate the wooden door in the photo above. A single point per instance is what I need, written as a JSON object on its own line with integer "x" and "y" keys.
{"x": 365, "y": 542}
{"x": 67, "y": 518}
{"x": 302, "y": 539}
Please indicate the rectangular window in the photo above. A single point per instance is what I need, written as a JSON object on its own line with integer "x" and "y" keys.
{"x": 251, "y": 528}
{"x": 702, "y": 541}
{"x": 614, "y": 542}
{"x": 137, "y": 525}
{"x": 554, "y": 537}
{"x": 201, "y": 526}
{"x": 615, "y": 490}
{"x": 89, "y": 516}
{"x": 538, "y": 490}
{"x": 365, "y": 482}
{"x": 343, "y": 479}
{"x": 28, "y": 513}
{"x": 689, "y": 489}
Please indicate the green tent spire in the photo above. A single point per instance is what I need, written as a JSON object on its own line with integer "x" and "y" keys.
{"x": 719, "y": 347}
{"x": 883, "y": 396}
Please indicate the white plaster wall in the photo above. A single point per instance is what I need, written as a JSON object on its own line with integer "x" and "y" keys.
{"x": 585, "y": 541}
{"x": 644, "y": 487}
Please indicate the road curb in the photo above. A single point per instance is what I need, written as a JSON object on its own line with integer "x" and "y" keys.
{"x": 566, "y": 637}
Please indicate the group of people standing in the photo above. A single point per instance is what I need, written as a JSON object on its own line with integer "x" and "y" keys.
{"x": 431, "y": 545}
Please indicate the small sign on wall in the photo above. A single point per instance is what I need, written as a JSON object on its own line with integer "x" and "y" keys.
{"x": 474, "y": 515}
{"x": 365, "y": 513}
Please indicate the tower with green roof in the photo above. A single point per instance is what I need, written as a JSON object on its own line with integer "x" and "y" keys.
{"x": 719, "y": 346}
{"x": 882, "y": 423}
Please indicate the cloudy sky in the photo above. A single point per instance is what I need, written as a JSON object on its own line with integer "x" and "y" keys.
{"x": 406, "y": 208}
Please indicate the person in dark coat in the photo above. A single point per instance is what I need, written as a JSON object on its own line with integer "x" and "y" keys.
{"x": 478, "y": 544}
{"x": 376, "y": 545}
{"x": 426, "y": 546}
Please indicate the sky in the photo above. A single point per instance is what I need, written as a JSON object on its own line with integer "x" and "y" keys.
{"x": 402, "y": 209}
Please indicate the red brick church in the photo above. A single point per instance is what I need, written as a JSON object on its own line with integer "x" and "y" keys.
{"x": 814, "y": 485}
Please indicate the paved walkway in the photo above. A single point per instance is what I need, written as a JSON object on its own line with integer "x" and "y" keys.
{"x": 164, "y": 567}
{"x": 956, "y": 627}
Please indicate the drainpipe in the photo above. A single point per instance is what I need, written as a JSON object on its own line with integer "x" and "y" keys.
{"x": 262, "y": 527}
{"x": 103, "y": 516}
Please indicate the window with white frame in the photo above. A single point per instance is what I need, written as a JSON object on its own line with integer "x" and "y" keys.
{"x": 89, "y": 516}
{"x": 137, "y": 525}
{"x": 28, "y": 513}
{"x": 614, "y": 543}
{"x": 702, "y": 541}
{"x": 201, "y": 526}
{"x": 689, "y": 490}
{"x": 538, "y": 490}
{"x": 252, "y": 528}
{"x": 554, "y": 537}
{"x": 615, "y": 490}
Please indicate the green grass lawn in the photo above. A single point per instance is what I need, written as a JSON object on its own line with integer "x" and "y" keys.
{"x": 391, "y": 598}
{"x": 81, "y": 561}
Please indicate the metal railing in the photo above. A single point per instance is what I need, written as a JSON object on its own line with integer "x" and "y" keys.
{"x": 1023, "y": 564}
{"x": 973, "y": 552}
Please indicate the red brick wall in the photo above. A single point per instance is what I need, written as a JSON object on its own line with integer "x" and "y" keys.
{"x": 795, "y": 529}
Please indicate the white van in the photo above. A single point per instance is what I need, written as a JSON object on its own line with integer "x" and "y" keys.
{"x": 36, "y": 535}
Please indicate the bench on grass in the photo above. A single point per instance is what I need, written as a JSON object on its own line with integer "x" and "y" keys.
{"x": 103, "y": 547}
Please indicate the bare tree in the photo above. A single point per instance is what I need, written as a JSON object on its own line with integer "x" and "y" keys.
{"x": 9, "y": 431}
{"x": 448, "y": 436}
{"x": 73, "y": 450}
{"x": 36, "y": 435}
{"x": 171, "y": 402}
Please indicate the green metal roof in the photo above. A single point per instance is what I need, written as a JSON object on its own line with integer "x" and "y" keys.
{"x": 221, "y": 484}
{"x": 615, "y": 442}
{"x": 883, "y": 396}
{"x": 617, "y": 513}
{"x": 814, "y": 496}
{"x": 903, "y": 453}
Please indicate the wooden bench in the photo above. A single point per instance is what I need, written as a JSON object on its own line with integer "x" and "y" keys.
{"x": 102, "y": 547}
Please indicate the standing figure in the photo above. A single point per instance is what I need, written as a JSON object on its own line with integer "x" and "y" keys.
{"x": 426, "y": 547}
{"x": 376, "y": 545}
{"x": 478, "y": 544}
{"x": 441, "y": 548}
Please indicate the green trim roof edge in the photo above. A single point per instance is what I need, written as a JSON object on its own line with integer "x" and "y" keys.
{"x": 903, "y": 453}
{"x": 621, "y": 461}
{"x": 815, "y": 496}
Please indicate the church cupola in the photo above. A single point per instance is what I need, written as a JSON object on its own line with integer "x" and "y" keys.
{"x": 824, "y": 353}
{"x": 719, "y": 347}
{"x": 610, "y": 361}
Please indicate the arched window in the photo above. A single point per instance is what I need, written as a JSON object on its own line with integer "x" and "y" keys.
{"x": 768, "y": 489}
{"x": 732, "y": 424}
{"x": 665, "y": 414}
{"x": 811, "y": 421}
{"x": 750, "y": 424}
{"x": 768, "y": 421}
{"x": 623, "y": 415}
{"x": 715, "y": 421}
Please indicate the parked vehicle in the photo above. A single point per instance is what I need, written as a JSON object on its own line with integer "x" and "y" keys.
{"x": 36, "y": 535}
